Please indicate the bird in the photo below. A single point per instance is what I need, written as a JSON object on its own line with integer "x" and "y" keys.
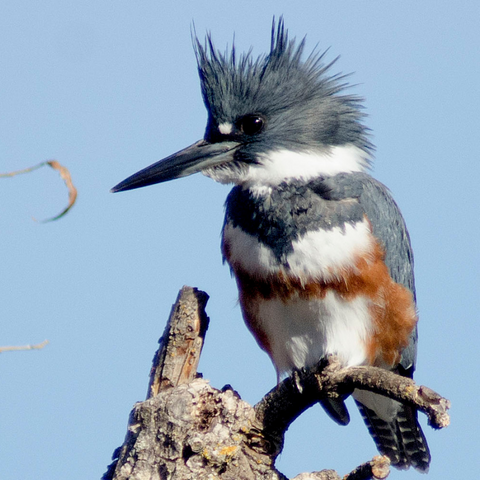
{"x": 319, "y": 249}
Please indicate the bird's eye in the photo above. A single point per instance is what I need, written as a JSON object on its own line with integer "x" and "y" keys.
{"x": 251, "y": 124}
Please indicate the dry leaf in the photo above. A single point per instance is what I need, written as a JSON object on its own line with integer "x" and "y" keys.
{"x": 64, "y": 173}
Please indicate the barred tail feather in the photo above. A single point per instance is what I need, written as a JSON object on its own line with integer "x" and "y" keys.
{"x": 401, "y": 440}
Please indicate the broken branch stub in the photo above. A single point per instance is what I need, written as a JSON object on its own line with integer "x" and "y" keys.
{"x": 176, "y": 360}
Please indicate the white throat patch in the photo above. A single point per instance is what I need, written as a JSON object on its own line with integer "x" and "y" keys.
{"x": 285, "y": 165}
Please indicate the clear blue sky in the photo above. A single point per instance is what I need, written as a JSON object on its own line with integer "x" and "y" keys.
{"x": 109, "y": 87}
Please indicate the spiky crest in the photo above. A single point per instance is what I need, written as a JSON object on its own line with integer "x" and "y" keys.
{"x": 234, "y": 85}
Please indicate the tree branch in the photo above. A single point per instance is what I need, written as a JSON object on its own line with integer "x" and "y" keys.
{"x": 188, "y": 430}
{"x": 284, "y": 403}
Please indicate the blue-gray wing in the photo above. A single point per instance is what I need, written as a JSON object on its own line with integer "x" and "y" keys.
{"x": 388, "y": 227}
{"x": 401, "y": 439}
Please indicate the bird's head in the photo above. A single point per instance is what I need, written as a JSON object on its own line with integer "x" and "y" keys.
{"x": 273, "y": 119}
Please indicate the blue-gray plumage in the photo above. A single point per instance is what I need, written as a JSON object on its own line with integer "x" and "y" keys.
{"x": 319, "y": 248}
{"x": 297, "y": 98}
{"x": 287, "y": 213}
{"x": 384, "y": 215}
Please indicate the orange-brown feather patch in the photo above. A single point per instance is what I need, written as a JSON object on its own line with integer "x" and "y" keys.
{"x": 392, "y": 306}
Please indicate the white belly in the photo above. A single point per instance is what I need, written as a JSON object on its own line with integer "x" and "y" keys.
{"x": 302, "y": 331}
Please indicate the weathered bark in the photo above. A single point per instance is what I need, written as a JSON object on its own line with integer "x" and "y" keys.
{"x": 176, "y": 360}
{"x": 188, "y": 430}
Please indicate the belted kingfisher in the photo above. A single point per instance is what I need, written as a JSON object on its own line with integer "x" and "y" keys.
{"x": 319, "y": 248}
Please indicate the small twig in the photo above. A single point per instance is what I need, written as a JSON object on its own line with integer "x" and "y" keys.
{"x": 389, "y": 384}
{"x": 376, "y": 469}
{"x": 37, "y": 346}
{"x": 20, "y": 172}
{"x": 321, "y": 475}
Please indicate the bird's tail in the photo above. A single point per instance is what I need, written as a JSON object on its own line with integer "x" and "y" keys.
{"x": 400, "y": 439}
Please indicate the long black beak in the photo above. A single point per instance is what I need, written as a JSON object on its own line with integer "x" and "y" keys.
{"x": 190, "y": 160}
